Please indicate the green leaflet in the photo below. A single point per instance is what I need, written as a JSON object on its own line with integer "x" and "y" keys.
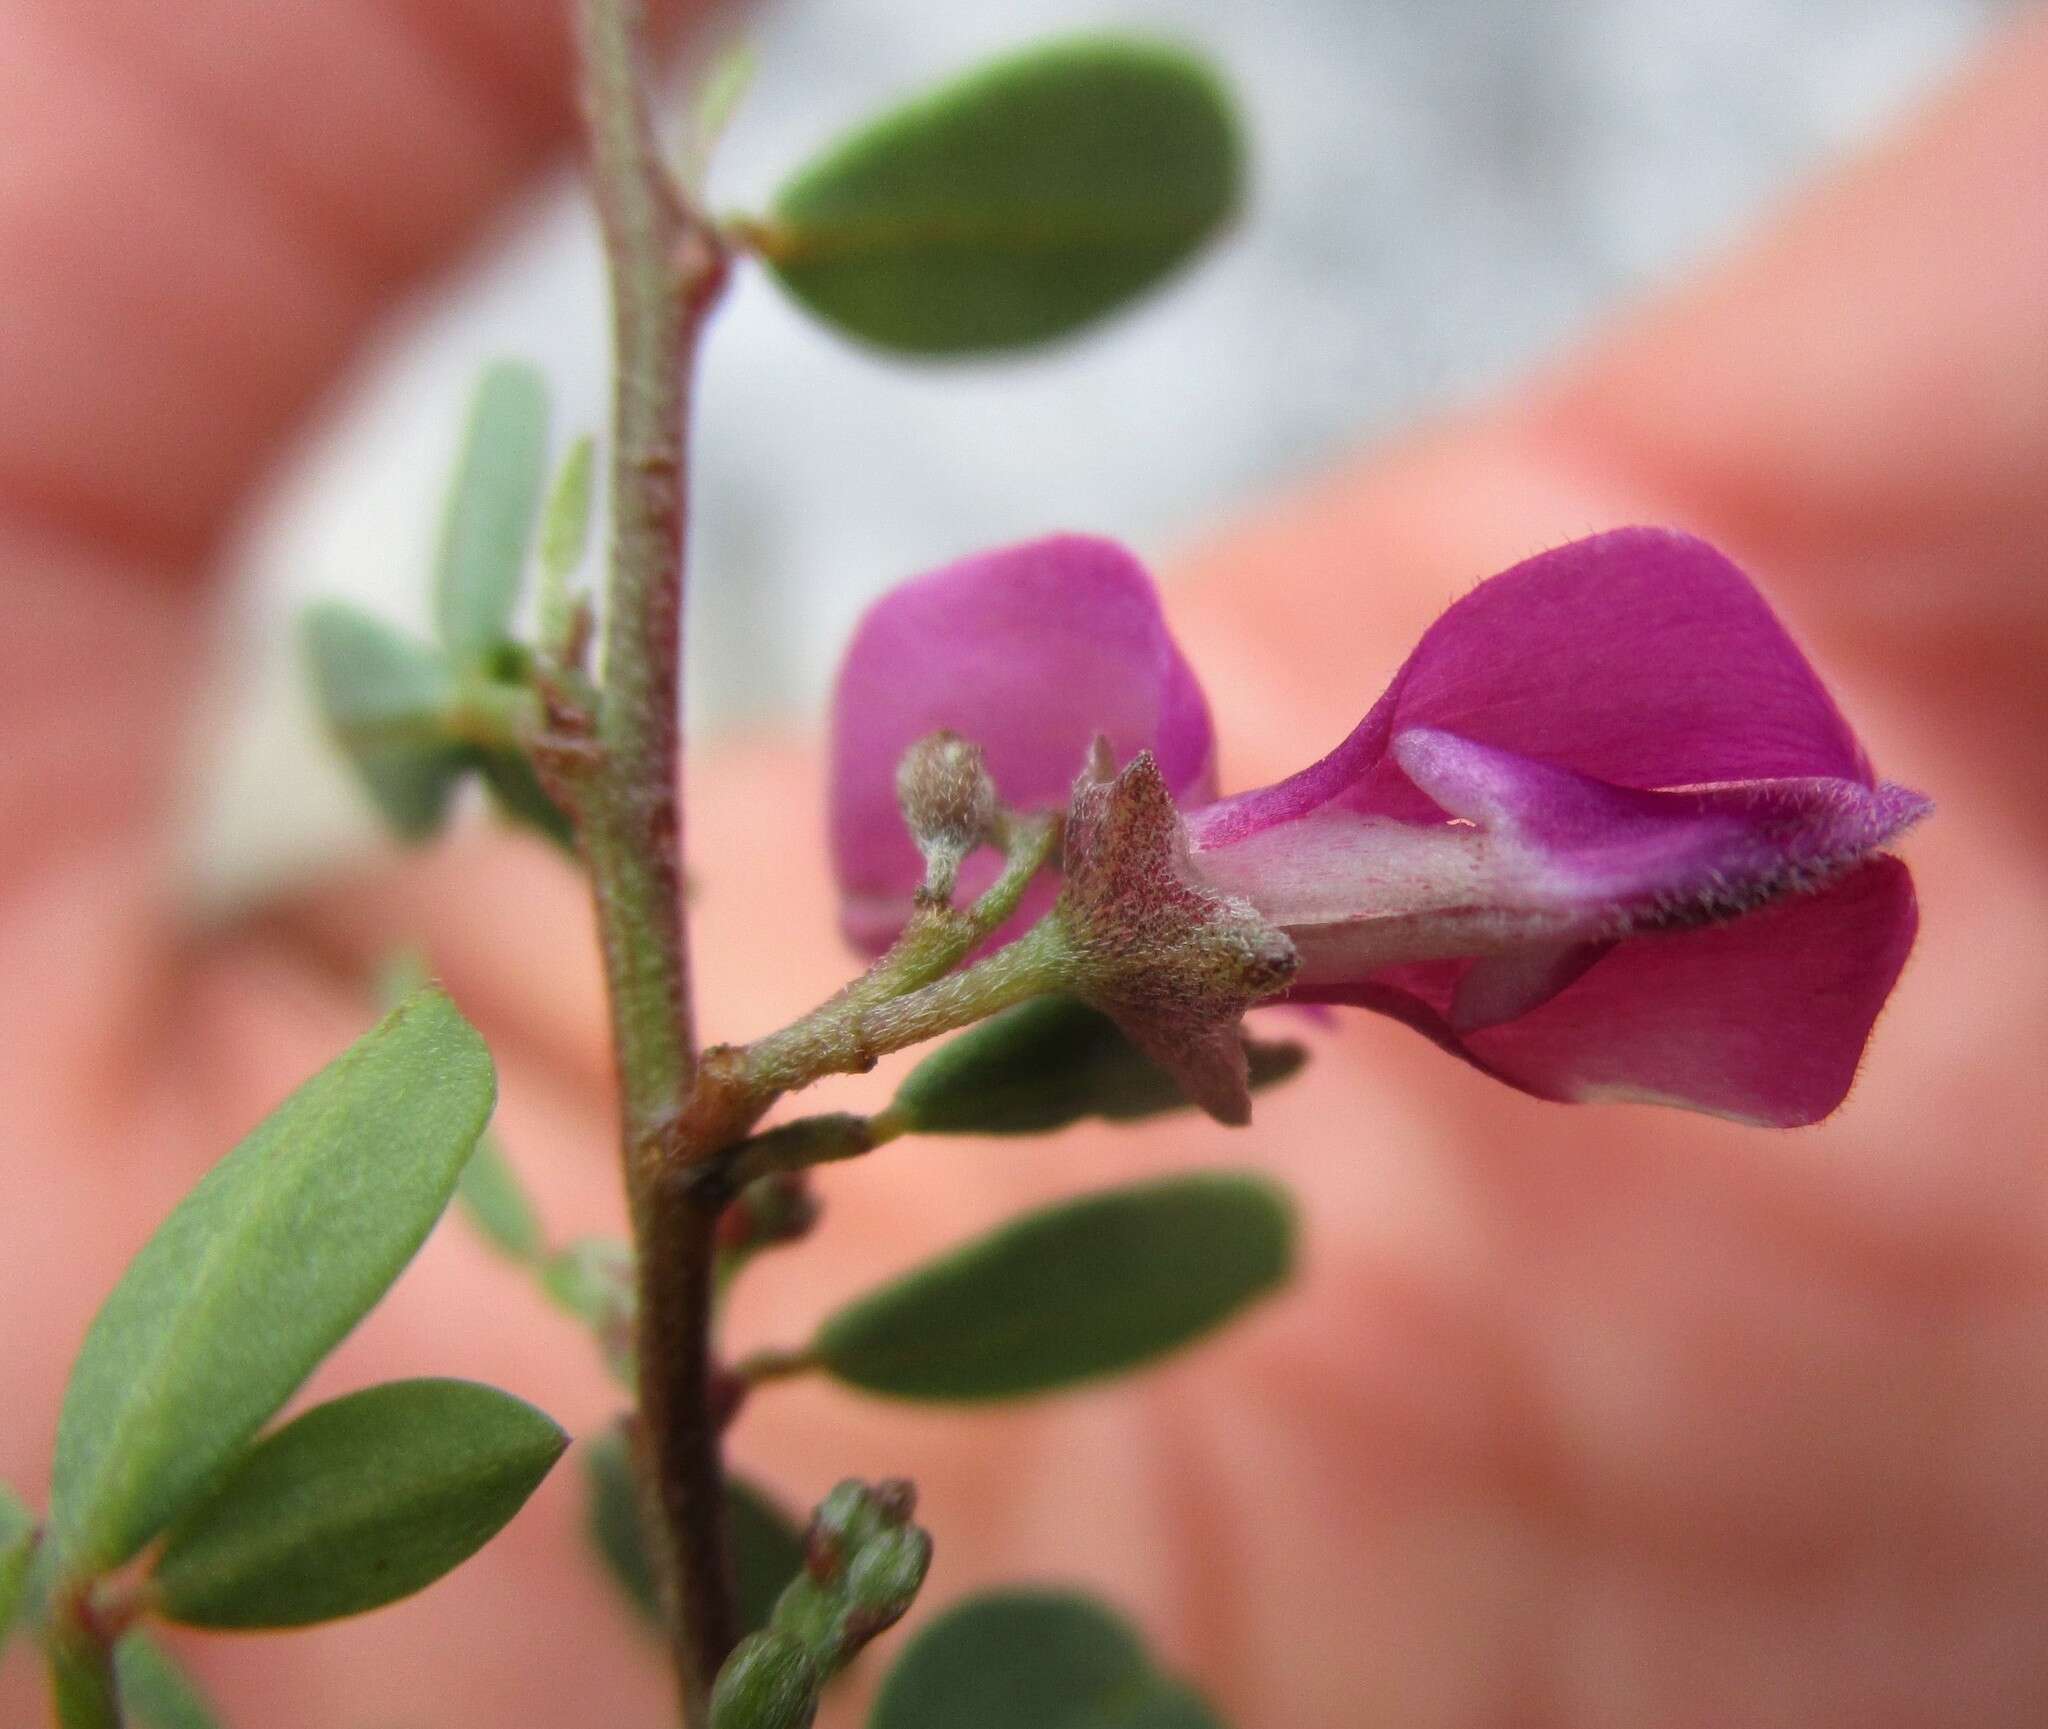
{"x": 613, "y": 1521}
{"x": 565, "y": 520}
{"x": 1045, "y": 1064}
{"x": 384, "y": 698}
{"x": 496, "y": 1205}
{"x": 1015, "y": 204}
{"x": 1078, "y": 1290}
{"x": 155, "y": 1692}
{"x": 520, "y": 798}
{"x": 490, "y": 514}
{"x": 354, "y": 1504}
{"x": 258, "y": 1273}
{"x": 1032, "y": 1660}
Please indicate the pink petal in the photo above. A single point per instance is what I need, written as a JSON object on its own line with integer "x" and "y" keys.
{"x": 1641, "y": 657}
{"x": 1028, "y": 652}
{"x": 1581, "y": 845}
{"x": 1763, "y": 1018}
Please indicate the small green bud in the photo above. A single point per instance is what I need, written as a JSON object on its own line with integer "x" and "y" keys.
{"x": 863, "y": 1563}
{"x": 769, "y": 1682}
{"x": 881, "y": 1583}
{"x": 808, "y": 1612}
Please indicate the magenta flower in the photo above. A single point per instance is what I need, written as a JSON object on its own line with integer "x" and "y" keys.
{"x": 1605, "y": 836}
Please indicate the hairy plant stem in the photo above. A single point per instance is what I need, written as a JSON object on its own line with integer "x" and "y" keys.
{"x": 667, "y": 267}
{"x": 848, "y": 1035}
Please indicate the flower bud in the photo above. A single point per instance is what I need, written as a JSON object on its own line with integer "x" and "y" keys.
{"x": 769, "y": 1682}
{"x": 881, "y": 1583}
{"x": 949, "y": 805}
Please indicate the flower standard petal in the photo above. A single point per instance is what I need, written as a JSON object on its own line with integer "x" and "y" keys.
{"x": 1641, "y": 656}
{"x": 1029, "y": 653}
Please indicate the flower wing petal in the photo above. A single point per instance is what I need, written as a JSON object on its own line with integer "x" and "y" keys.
{"x": 1642, "y": 657}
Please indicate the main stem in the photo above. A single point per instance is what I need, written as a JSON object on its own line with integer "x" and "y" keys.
{"x": 667, "y": 267}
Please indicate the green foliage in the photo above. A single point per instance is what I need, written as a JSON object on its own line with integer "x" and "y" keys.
{"x": 1016, "y": 204}
{"x": 17, "y": 1555}
{"x": 1045, "y": 1064}
{"x": 383, "y": 697}
{"x": 490, "y": 511}
{"x": 155, "y": 1692}
{"x": 82, "y": 1684}
{"x": 1032, "y": 1660}
{"x": 767, "y": 1548}
{"x": 863, "y": 1563}
{"x": 357, "y": 1503}
{"x": 257, "y": 1274}
{"x": 520, "y": 798}
{"x": 592, "y": 1279}
{"x": 565, "y": 520}
{"x": 1085, "y": 1288}
{"x": 613, "y": 1521}
{"x": 496, "y": 1204}
{"x": 413, "y": 719}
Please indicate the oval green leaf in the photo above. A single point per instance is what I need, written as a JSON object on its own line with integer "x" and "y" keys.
{"x": 155, "y": 1692}
{"x": 1032, "y": 1660}
{"x": 1045, "y": 1064}
{"x": 258, "y": 1273}
{"x": 355, "y": 1504}
{"x": 491, "y": 510}
{"x": 1079, "y": 1290}
{"x": 1016, "y": 204}
{"x": 383, "y": 698}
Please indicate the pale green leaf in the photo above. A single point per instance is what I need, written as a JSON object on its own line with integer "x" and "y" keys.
{"x": 1086, "y": 1288}
{"x": 496, "y": 1204}
{"x": 281, "y": 1248}
{"x": 355, "y": 1504}
{"x": 520, "y": 798}
{"x": 155, "y": 1692}
{"x": 1015, "y": 204}
{"x": 384, "y": 698}
{"x": 565, "y": 523}
{"x": 491, "y": 507}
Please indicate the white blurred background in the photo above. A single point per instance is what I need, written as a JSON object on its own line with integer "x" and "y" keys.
{"x": 1444, "y": 192}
